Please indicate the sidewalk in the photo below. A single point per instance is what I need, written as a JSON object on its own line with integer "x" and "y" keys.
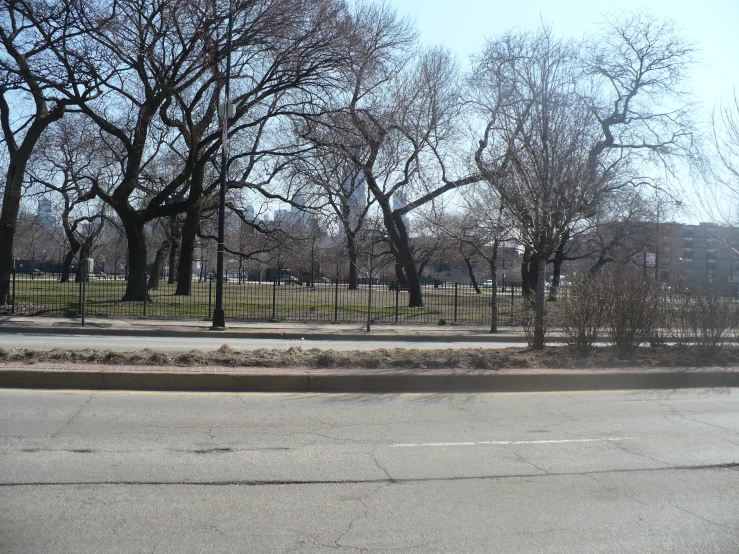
{"x": 261, "y": 329}
{"x": 249, "y": 379}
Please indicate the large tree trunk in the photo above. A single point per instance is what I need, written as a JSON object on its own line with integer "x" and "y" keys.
{"x": 398, "y": 235}
{"x": 8, "y": 224}
{"x": 405, "y": 257}
{"x": 539, "y": 313}
{"x": 422, "y": 267}
{"x": 351, "y": 247}
{"x": 400, "y": 275}
{"x": 525, "y": 280}
{"x": 67, "y": 265}
{"x": 74, "y": 247}
{"x": 84, "y": 253}
{"x": 559, "y": 256}
{"x": 174, "y": 245}
{"x": 533, "y": 274}
{"x": 136, "y": 268}
{"x": 473, "y": 279}
{"x": 156, "y": 269}
{"x": 187, "y": 249}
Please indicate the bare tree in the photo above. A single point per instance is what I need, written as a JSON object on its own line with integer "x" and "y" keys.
{"x": 35, "y": 91}
{"x": 720, "y": 167}
{"x": 393, "y": 116}
{"x": 156, "y": 72}
{"x": 335, "y": 180}
{"x": 71, "y": 162}
{"x": 479, "y": 231}
{"x": 563, "y": 121}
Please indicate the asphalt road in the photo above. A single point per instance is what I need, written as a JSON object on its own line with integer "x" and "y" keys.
{"x": 588, "y": 472}
{"x": 41, "y": 341}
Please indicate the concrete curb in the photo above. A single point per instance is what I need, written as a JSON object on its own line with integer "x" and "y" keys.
{"x": 368, "y": 382}
{"x": 244, "y": 334}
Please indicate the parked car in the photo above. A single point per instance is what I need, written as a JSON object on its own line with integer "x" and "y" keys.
{"x": 488, "y": 284}
{"x": 290, "y": 280}
{"x": 321, "y": 280}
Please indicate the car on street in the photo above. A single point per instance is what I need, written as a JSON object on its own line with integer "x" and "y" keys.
{"x": 290, "y": 280}
{"x": 321, "y": 280}
{"x": 488, "y": 284}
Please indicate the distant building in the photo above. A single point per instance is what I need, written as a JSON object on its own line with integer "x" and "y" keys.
{"x": 400, "y": 200}
{"x": 355, "y": 188}
{"x": 707, "y": 253}
{"x": 294, "y": 217}
{"x": 45, "y": 218}
{"x": 249, "y": 213}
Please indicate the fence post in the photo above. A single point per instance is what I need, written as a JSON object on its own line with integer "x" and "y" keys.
{"x": 512, "y": 298}
{"x": 274, "y": 297}
{"x": 82, "y": 292}
{"x": 145, "y": 297}
{"x": 369, "y": 303}
{"x": 336, "y": 301}
{"x": 210, "y": 294}
{"x": 12, "y": 298}
{"x": 397, "y": 300}
{"x": 456, "y": 300}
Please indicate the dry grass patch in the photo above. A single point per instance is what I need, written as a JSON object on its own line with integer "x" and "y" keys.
{"x": 560, "y": 357}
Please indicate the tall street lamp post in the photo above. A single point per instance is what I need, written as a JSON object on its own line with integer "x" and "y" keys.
{"x": 219, "y": 318}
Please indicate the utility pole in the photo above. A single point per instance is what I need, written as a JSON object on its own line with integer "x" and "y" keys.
{"x": 219, "y": 318}
{"x": 656, "y": 248}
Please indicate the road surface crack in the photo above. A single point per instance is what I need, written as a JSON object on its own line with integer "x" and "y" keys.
{"x": 380, "y": 466}
{"x": 682, "y": 415}
{"x": 524, "y": 460}
{"x": 703, "y": 518}
{"x": 732, "y": 466}
{"x": 364, "y": 500}
{"x": 65, "y": 424}
{"x": 647, "y": 456}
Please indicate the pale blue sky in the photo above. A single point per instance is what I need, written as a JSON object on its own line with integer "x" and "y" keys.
{"x": 462, "y": 26}
{"x": 713, "y": 25}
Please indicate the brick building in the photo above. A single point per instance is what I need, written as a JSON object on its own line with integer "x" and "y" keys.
{"x": 706, "y": 253}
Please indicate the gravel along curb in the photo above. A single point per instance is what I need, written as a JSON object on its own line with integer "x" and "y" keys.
{"x": 363, "y": 382}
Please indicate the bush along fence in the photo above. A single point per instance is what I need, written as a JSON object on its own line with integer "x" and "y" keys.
{"x": 447, "y": 303}
{"x": 629, "y": 311}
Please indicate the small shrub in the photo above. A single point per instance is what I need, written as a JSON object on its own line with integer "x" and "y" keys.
{"x": 583, "y": 314}
{"x": 632, "y": 305}
{"x": 681, "y": 319}
{"x": 714, "y": 320}
{"x": 702, "y": 317}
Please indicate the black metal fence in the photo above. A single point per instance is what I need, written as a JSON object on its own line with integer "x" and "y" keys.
{"x": 44, "y": 295}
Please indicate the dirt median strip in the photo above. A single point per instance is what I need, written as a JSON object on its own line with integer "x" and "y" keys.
{"x": 393, "y": 359}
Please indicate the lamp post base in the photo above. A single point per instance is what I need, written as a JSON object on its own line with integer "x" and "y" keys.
{"x": 219, "y": 320}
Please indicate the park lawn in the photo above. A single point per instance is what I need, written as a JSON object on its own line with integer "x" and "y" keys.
{"x": 261, "y": 301}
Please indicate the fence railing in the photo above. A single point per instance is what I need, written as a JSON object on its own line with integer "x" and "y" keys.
{"x": 460, "y": 303}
